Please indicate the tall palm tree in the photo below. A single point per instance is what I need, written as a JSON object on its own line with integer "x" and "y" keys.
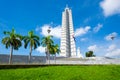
{"x": 33, "y": 41}
{"x": 47, "y": 42}
{"x": 54, "y": 49}
{"x": 13, "y": 41}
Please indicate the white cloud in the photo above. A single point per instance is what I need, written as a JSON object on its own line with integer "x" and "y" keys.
{"x": 83, "y": 39}
{"x": 97, "y": 28}
{"x": 110, "y": 7}
{"x": 81, "y": 31}
{"x": 55, "y": 31}
{"x": 108, "y": 37}
{"x": 41, "y": 49}
{"x": 111, "y": 47}
{"x": 113, "y": 53}
{"x": 92, "y": 48}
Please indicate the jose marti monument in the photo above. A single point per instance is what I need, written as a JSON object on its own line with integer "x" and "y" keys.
{"x": 67, "y": 46}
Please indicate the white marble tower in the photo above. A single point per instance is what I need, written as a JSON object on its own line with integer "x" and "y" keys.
{"x": 68, "y": 48}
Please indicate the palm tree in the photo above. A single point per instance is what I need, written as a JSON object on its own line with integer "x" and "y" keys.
{"x": 54, "y": 49}
{"x": 13, "y": 41}
{"x": 33, "y": 41}
{"x": 47, "y": 42}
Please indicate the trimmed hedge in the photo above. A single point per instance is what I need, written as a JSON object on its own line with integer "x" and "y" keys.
{"x": 15, "y": 66}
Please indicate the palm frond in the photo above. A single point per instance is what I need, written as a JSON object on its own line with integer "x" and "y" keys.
{"x": 36, "y": 37}
{"x": 26, "y": 43}
{"x": 35, "y": 45}
{"x": 19, "y": 36}
{"x": 6, "y": 32}
{"x": 37, "y": 42}
{"x": 7, "y": 45}
{"x": 4, "y": 40}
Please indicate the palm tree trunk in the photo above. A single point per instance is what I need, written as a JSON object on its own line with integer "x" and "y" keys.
{"x": 55, "y": 58}
{"x": 49, "y": 56}
{"x": 30, "y": 55}
{"x": 52, "y": 58}
{"x": 46, "y": 52}
{"x": 46, "y": 56}
{"x": 11, "y": 52}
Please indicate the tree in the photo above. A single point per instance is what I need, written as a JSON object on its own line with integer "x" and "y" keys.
{"x": 13, "y": 41}
{"x": 47, "y": 42}
{"x": 33, "y": 41}
{"x": 54, "y": 49}
{"x": 89, "y": 54}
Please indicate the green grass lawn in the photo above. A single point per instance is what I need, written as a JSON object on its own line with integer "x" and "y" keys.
{"x": 99, "y": 72}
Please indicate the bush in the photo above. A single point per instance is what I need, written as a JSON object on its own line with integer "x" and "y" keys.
{"x": 89, "y": 54}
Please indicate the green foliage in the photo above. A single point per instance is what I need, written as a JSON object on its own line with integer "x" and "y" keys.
{"x": 99, "y": 72}
{"x": 49, "y": 44}
{"x": 54, "y": 49}
{"x": 47, "y": 41}
{"x": 32, "y": 40}
{"x": 12, "y": 39}
{"x": 89, "y": 54}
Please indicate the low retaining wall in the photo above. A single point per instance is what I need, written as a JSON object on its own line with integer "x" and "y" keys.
{"x": 22, "y": 59}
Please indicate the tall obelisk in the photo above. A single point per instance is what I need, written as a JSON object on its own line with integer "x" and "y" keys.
{"x": 68, "y": 48}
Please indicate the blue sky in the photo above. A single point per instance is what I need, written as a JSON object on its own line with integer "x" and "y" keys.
{"x": 94, "y": 23}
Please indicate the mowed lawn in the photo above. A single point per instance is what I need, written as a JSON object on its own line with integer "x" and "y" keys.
{"x": 91, "y": 72}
